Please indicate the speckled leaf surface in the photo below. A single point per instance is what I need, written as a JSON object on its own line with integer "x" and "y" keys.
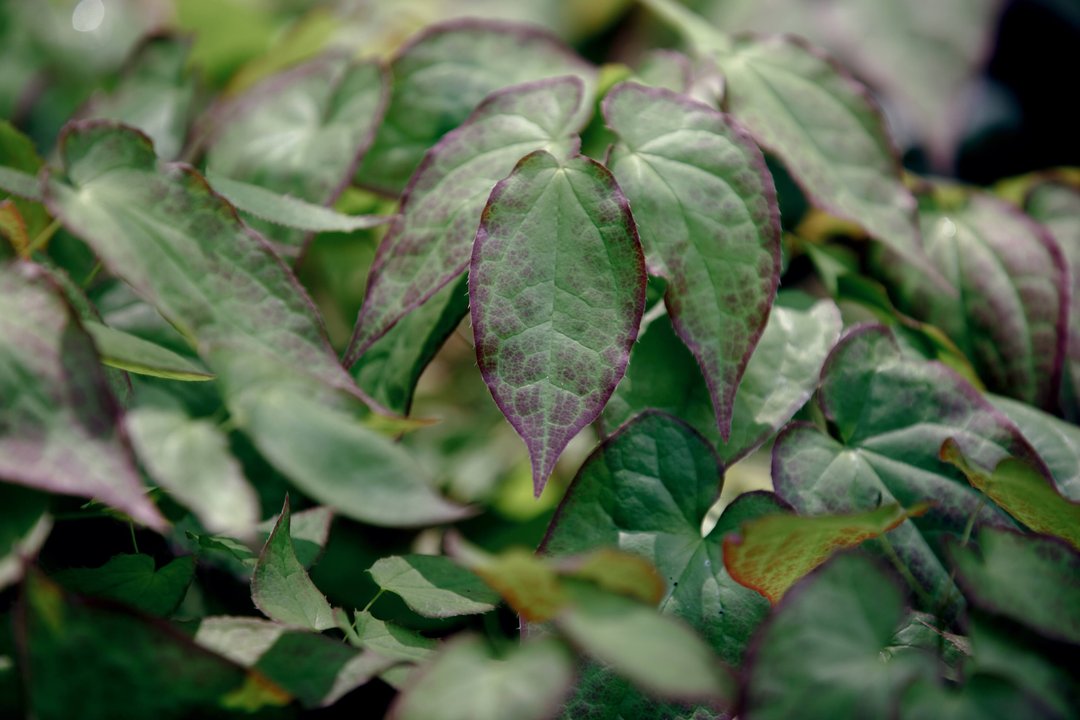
{"x": 780, "y": 377}
{"x": 443, "y": 74}
{"x": 891, "y": 415}
{"x": 430, "y": 241}
{"x": 706, "y": 210}
{"x": 646, "y": 490}
{"x": 300, "y": 133}
{"x": 59, "y": 417}
{"x": 557, "y": 289}
{"x": 1008, "y": 313}
{"x": 1056, "y": 441}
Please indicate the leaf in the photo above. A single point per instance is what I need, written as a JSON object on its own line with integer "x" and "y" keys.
{"x": 706, "y": 209}
{"x": 891, "y": 414}
{"x": 131, "y": 353}
{"x": 13, "y": 230}
{"x": 18, "y": 155}
{"x": 1008, "y": 313}
{"x": 465, "y": 682}
{"x": 791, "y": 672}
{"x": 646, "y": 490}
{"x": 389, "y": 370}
{"x": 301, "y": 134}
{"x": 316, "y": 670}
{"x": 71, "y": 657}
{"x": 281, "y": 588}
{"x": 390, "y": 640}
{"x": 133, "y": 580}
{"x": 770, "y": 554}
{"x": 443, "y": 74}
{"x": 617, "y": 572}
{"x": 1028, "y": 579}
{"x": 1057, "y": 442}
{"x": 557, "y": 289}
{"x": 309, "y": 530}
{"x": 780, "y": 377}
{"x": 190, "y": 460}
{"x": 288, "y": 211}
{"x": 434, "y": 585}
{"x": 981, "y": 696}
{"x": 24, "y": 531}
{"x": 58, "y": 416}
{"x": 20, "y": 184}
{"x": 430, "y": 241}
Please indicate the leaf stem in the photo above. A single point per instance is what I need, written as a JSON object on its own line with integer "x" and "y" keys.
{"x": 43, "y": 237}
{"x": 372, "y": 600}
{"x": 134, "y": 542}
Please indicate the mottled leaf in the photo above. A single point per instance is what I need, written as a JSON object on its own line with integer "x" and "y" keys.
{"x": 706, "y": 209}
{"x": 557, "y": 288}
{"x": 133, "y": 580}
{"x": 891, "y": 415}
{"x": 281, "y": 588}
{"x": 59, "y": 419}
{"x": 442, "y": 74}
{"x": 1056, "y": 441}
{"x": 1008, "y": 313}
{"x": 792, "y": 672}
{"x": 465, "y": 682}
{"x": 430, "y": 241}
{"x": 434, "y": 585}
{"x": 780, "y": 377}
{"x": 131, "y": 353}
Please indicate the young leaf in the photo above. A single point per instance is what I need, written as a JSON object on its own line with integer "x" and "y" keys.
{"x": 131, "y": 353}
{"x": 792, "y": 673}
{"x": 891, "y": 415}
{"x": 465, "y": 682}
{"x": 281, "y": 588}
{"x": 771, "y": 554}
{"x": 59, "y": 417}
{"x": 557, "y": 289}
{"x": 441, "y": 76}
{"x": 434, "y": 585}
{"x": 1056, "y": 441}
{"x": 429, "y": 243}
{"x": 133, "y": 580}
{"x": 706, "y": 209}
{"x": 1008, "y": 313}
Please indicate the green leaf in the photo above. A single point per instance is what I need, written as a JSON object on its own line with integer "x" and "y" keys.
{"x": 1056, "y": 441}
{"x": 390, "y": 640}
{"x": 18, "y": 155}
{"x": 58, "y": 416}
{"x": 706, "y": 209}
{"x": 793, "y": 673}
{"x": 434, "y": 585}
{"x": 780, "y": 377}
{"x": 466, "y": 682}
{"x": 190, "y": 460}
{"x": 443, "y": 74}
{"x": 20, "y": 184}
{"x": 557, "y": 288}
{"x": 300, "y": 134}
{"x": 309, "y": 530}
{"x": 131, "y": 353}
{"x": 1008, "y": 312}
{"x": 25, "y": 528}
{"x": 281, "y": 588}
{"x": 133, "y": 580}
{"x": 647, "y": 490}
{"x": 430, "y": 241}
{"x": 920, "y": 633}
{"x": 1028, "y": 579}
{"x": 288, "y": 211}
{"x": 981, "y": 696}
{"x": 72, "y": 657}
{"x": 770, "y": 554}
{"x": 892, "y": 414}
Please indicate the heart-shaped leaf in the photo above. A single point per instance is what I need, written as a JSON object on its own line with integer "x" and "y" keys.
{"x": 557, "y": 289}
{"x": 133, "y": 580}
{"x": 706, "y": 209}
{"x": 430, "y": 242}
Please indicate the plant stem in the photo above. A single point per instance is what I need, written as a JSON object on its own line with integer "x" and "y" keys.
{"x": 43, "y": 237}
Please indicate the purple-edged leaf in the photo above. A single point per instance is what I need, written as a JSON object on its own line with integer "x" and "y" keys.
{"x": 1057, "y": 207}
{"x": 891, "y": 415}
{"x": 706, "y": 209}
{"x": 300, "y": 133}
{"x": 443, "y": 74}
{"x": 429, "y": 243}
{"x": 60, "y": 421}
{"x": 1009, "y": 310}
{"x": 557, "y": 289}
{"x": 780, "y": 377}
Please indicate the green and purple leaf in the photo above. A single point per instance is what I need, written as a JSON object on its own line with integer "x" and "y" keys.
{"x": 430, "y": 241}
{"x": 706, "y": 209}
{"x": 443, "y": 74}
{"x": 557, "y": 289}
{"x": 60, "y": 420}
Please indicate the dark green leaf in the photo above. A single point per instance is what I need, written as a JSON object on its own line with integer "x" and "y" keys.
{"x": 434, "y": 585}
{"x": 133, "y": 580}
{"x": 557, "y": 289}
{"x": 18, "y": 155}
{"x": 980, "y": 697}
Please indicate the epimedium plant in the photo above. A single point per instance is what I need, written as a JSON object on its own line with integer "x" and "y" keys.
{"x": 614, "y": 236}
